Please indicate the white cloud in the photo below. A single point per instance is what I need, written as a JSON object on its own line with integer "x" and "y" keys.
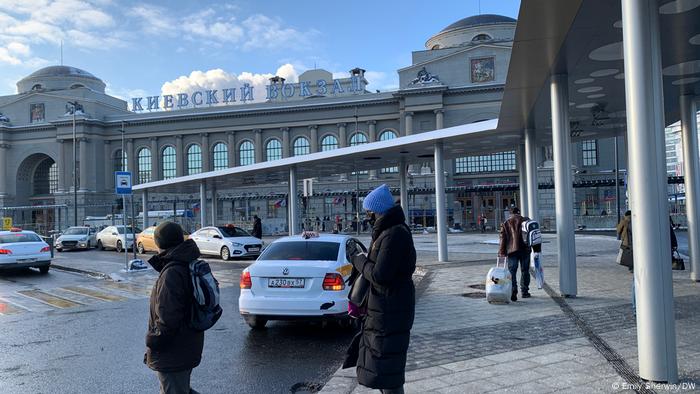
{"x": 264, "y": 32}
{"x": 6, "y": 57}
{"x": 154, "y": 20}
{"x": 209, "y": 25}
{"x": 219, "y": 79}
{"x": 18, "y": 48}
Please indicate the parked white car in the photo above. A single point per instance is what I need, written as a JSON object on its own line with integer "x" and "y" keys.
{"x": 21, "y": 249}
{"x": 79, "y": 237}
{"x": 298, "y": 277}
{"x": 227, "y": 241}
{"x": 113, "y": 237}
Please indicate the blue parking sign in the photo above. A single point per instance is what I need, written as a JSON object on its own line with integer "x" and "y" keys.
{"x": 122, "y": 182}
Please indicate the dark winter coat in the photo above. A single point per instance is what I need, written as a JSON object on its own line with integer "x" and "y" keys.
{"x": 171, "y": 345}
{"x": 511, "y": 238}
{"x": 386, "y": 330}
{"x": 257, "y": 228}
{"x": 624, "y": 232}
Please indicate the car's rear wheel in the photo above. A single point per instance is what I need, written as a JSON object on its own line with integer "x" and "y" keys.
{"x": 225, "y": 253}
{"x": 100, "y": 246}
{"x": 119, "y": 247}
{"x": 255, "y": 322}
{"x": 44, "y": 269}
{"x": 140, "y": 248}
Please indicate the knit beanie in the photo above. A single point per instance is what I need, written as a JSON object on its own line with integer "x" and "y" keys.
{"x": 379, "y": 200}
{"x": 168, "y": 235}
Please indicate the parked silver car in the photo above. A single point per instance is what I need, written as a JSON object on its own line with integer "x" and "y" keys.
{"x": 79, "y": 237}
{"x": 113, "y": 237}
{"x": 227, "y": 242}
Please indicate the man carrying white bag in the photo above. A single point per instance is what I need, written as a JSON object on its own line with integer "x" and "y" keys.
{"x": 499, "y": 283}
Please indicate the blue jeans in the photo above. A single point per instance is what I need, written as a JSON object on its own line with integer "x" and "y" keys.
{"x": 521, "y": 258}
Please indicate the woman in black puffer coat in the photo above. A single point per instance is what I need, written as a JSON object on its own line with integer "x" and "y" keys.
{"x": 389, "y": 268}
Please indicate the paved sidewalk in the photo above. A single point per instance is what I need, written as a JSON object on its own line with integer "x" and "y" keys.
{"x": 462, "y": 344}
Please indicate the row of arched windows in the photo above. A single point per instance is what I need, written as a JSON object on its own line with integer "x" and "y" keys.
{"x": 246, "y": 155}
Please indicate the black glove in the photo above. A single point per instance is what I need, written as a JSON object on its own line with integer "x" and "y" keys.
{"x": 351, "y": 250}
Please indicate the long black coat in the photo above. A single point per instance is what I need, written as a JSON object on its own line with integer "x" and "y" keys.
{"x": 391, "y": 302}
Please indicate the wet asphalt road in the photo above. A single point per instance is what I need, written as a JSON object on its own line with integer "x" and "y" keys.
{"x": 99, "y": 348}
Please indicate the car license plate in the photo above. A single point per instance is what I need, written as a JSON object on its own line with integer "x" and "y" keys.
{"x": 253, "y": 249}
{"x": 286, "y": 282}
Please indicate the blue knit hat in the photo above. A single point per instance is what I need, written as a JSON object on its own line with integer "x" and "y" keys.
{"x": 379, "y": 200}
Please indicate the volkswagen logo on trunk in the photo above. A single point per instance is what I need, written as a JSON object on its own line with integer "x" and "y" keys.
{"x": 285, "y": 271}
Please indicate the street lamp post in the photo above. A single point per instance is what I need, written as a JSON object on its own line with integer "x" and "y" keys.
{"x": 74, "y": 107}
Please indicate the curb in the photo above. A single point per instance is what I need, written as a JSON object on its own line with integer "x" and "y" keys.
{"x": 80, "y": 271}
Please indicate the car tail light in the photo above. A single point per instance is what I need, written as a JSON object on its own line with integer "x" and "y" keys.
{"x": 5, "y": 251}
{"x": 333, "y": 282}
{"x": 246, "y": 283}
{"x": 45, "y": 249}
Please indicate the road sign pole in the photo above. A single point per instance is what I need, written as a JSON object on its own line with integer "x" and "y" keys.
{"x": 126, "y": 252}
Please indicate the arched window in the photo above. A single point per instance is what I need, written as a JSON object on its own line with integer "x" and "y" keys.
{"x": 301, "y": 146}
{"x": 273, "y": 150}
{"x": 144, "y": 161}
{"x": 37, "y": 87}
{"x": 358, "y": 139}
{"x": 481, "y": 37}
{"x": 436, "y": 46}
{"x": 246, "y": 153}
{"x": 220, "y": 156}
{"x": 119, "y": 162}
{"x": 169, "y": 160}
{"x": 42, "y": 181}
{"x": 329, "y": 142}
{"x": 194, "y": 159}
{"x": 385, "y": 136}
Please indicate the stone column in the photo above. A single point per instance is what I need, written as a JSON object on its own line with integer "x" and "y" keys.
{"x": 372, "y": 130}
{"x": 522, "y": 181}
{"x": 342, "y": 135}
{"x": 259, "y": 148}
{"x": 439, "y": 119}
{"x": 313, "y": 133}
{"x": 206, "y": 153}
{"x": 3, "y": 168}
{"x": 179, "y": 156}
{"x": 440, "y": 203}
{"x": 285, "y": 142}
{"x": 62, "y": 165}
{"x": 83, "y": 175}
{"x": 108, "y": 166}
{"x": 691, "y": 172}
{"x": 130, "y": 162}
{"x": 531, "y": 171}
{"x": 408, "y": 125}
{"x": 155, "y": 172}
{"x": 231, "y": 136}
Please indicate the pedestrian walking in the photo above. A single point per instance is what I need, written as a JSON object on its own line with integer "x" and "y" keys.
{"x": 257, "y": 227}
{"x": 482, "y": 222}
{"x": 173, "y": 348}
{"x": 512, "y": 246}
{"x": 624, "y": 233}
{"x": 390, "y": 304}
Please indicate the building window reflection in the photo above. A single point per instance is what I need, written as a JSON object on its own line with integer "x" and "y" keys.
{"x": 194, "y": 159}
{"x": 273, "y": 150}
{"x": 496, "y": 162}
{"x": 144, "y": 165}
{"x": 246, "y": 153}
{"x": 590, "y": 153}
{"x": 385, "y": 136}
{"x": 329, "y": 142}
{"x": 220, "y": 156}
{"x": 169, "y": 162}
{"x": 301, "y": 146}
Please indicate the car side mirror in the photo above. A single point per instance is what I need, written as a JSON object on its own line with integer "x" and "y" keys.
{"x": 217, "y": 236}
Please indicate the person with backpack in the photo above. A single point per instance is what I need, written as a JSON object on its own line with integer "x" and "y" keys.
{"x": 173, "y": 346}
{"x": 390, "y": 301}
{"x": 513, "y": 246}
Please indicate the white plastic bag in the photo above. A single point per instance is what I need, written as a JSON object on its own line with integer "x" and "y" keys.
{"x": 498, "y": 283}
{"x": 536, "y": 264}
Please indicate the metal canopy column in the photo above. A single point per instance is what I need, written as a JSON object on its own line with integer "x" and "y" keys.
{"x": 656, "y": 332}
{"x": 522, "y": 181}
{"x": 403, "y": 188}
{"x": 440, "y": 203}
{"x": 144, "y": 202}
{"x": 202, "y": 204}
{"x": 531, "y": 171}
{"x": 292, "y": 200}
{"x": 563, "y": 192}
{"x": 691, "y": 172}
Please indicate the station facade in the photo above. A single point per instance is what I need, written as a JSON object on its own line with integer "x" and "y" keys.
{"x": 457, "y": 79}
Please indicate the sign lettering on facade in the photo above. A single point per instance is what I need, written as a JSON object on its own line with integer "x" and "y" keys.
{"x": 245, "y": 94}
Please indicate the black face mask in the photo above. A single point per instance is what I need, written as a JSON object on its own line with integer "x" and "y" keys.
{"x": 371, "y": 216}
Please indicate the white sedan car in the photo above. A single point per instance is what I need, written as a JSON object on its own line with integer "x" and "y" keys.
{"x": 298, "y": 277}
{"x": 79, "y": 237}
{"x": 21, "y": 249}
{"x": 114, "y": 237}
{"x": 227, "y": 241}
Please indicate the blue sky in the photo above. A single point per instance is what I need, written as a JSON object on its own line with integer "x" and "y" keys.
{"x": 151, "y": 47}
